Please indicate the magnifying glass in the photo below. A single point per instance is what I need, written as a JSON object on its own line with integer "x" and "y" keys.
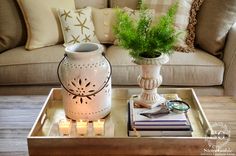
{"x": 178, "y": 106}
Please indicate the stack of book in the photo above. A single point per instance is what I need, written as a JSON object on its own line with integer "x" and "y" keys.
{"x": 171, "y": 124}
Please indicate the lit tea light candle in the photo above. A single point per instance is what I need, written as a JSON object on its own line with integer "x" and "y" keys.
{"x": 98, "y": 127}
{"x": 82, "y": 127}
{"x": 64, "y": 126}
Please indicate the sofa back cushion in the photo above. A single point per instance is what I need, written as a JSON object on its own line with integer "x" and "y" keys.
{"x": 133, "y": 4}
{"x": 92, "y": 3}
{"x": 12, "y": 26}
{"x": 215, "y": 18}
{"x": 43, "y": 25}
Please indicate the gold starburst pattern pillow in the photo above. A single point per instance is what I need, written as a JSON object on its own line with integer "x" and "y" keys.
{"x": 77, "y": 26}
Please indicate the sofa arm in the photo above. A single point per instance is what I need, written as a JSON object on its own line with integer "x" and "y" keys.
{"x": 230, "y": 63}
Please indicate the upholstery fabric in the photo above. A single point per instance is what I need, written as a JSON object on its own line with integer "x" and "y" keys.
{"x": 77, "y": 26}
{"x": 39, "y": 67}
{"x": 104, "y": 19}
{"x": 185, "y": 19}
{"x": 36, "y": 67}
{"x": 214, "y": 21}
{"x": 183, "y": 69}
{"x": 92, "y": 3}
{"x": 31, "y": 68}
{"x": 43, "y": 25}
{"x": 133, "y": 4}
{"x": 230, "y": 63}
{"x": 12, "y": 25}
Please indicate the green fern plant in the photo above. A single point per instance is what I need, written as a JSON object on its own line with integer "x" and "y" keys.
{"x": 143, "y": 38}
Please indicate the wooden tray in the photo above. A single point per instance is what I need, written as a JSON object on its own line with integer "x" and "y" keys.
{"x": 41, "y": 141}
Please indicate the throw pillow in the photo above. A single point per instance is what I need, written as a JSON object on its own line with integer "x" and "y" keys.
{"x": 12, "y": 25}
{"x": 92, "y": 3}
{"x": 43, "y": 25}
{"x": 77, "y": 26}
{"x": 185, "y": 19}
{"x": 215, "y": 18}
{"x": 133, "y": 4}
{"x": 104, "y": 20}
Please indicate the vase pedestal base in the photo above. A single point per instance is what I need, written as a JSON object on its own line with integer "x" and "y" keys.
{"x": 149, "y": 104}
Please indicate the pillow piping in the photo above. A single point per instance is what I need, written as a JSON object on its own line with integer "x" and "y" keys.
{"x": 191, "y": 29}
{"x": 27, "y": 24}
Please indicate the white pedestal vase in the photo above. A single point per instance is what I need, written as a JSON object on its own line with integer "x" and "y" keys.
{"x": 149, "y": 80}
{"x": 85, "y": 76}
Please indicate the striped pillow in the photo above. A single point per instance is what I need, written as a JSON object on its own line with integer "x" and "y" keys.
{"x": 185, "y": 20}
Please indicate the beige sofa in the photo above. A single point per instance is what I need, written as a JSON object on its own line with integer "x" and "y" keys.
{"x": 34, "y": 72}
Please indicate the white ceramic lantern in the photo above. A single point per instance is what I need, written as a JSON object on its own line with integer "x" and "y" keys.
{"x": 85, "y": 75}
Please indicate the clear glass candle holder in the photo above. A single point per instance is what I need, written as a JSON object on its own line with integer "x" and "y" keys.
{"x": 98, "y": 127}
{"x": 64, "y": 126}
{"x": 82, "y": 127}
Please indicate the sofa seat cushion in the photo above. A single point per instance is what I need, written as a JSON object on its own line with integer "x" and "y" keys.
{"x": 18, "y": 66}
{"x": 21, "y": 67}
{"x": 183, "y": 69}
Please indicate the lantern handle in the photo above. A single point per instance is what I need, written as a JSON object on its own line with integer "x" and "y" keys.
{"x": 82, "y": 95}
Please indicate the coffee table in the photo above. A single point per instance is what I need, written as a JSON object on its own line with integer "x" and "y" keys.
{"x": 17, "y": 114}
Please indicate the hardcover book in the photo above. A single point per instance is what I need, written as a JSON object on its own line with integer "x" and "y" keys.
{"x": 172, "y": 124}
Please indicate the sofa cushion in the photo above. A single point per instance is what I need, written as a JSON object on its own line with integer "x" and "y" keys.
{"x": 12, "y": 25}
{"x": 185, "y": 19}
{"x": 133, "y": 4}
{"x": 43, "y": 25}
{"x": 215, "y": 18}
{"x": 21, "y": 67}
{"x": 18, "y": 66}
{"x": 92, "y": 3}
{"x": 183, "y": 69}
{"x": 77, "y": 26}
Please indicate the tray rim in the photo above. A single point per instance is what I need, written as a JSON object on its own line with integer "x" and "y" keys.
{"x": 39, "y": 118}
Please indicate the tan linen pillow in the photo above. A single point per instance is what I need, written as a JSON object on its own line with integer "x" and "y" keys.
{"x": 133, "y": 4}
{"x": 215, "y": 18}
{"x": 104, "y": 20}
{"x": 12, "y": 26}
{"x": 43, "y": 25}
{"x": 77, "y": 26}
{"x": 185, "y": 19}
{"x": 92, "y": 3}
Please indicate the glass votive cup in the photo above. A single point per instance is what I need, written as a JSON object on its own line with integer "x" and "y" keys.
{"x": 82, "y": 127}
{"x": 98, "y": 127}
{"x": 64, "y": 126}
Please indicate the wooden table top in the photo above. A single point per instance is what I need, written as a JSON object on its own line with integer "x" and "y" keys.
{"x": 18, "y": 113}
